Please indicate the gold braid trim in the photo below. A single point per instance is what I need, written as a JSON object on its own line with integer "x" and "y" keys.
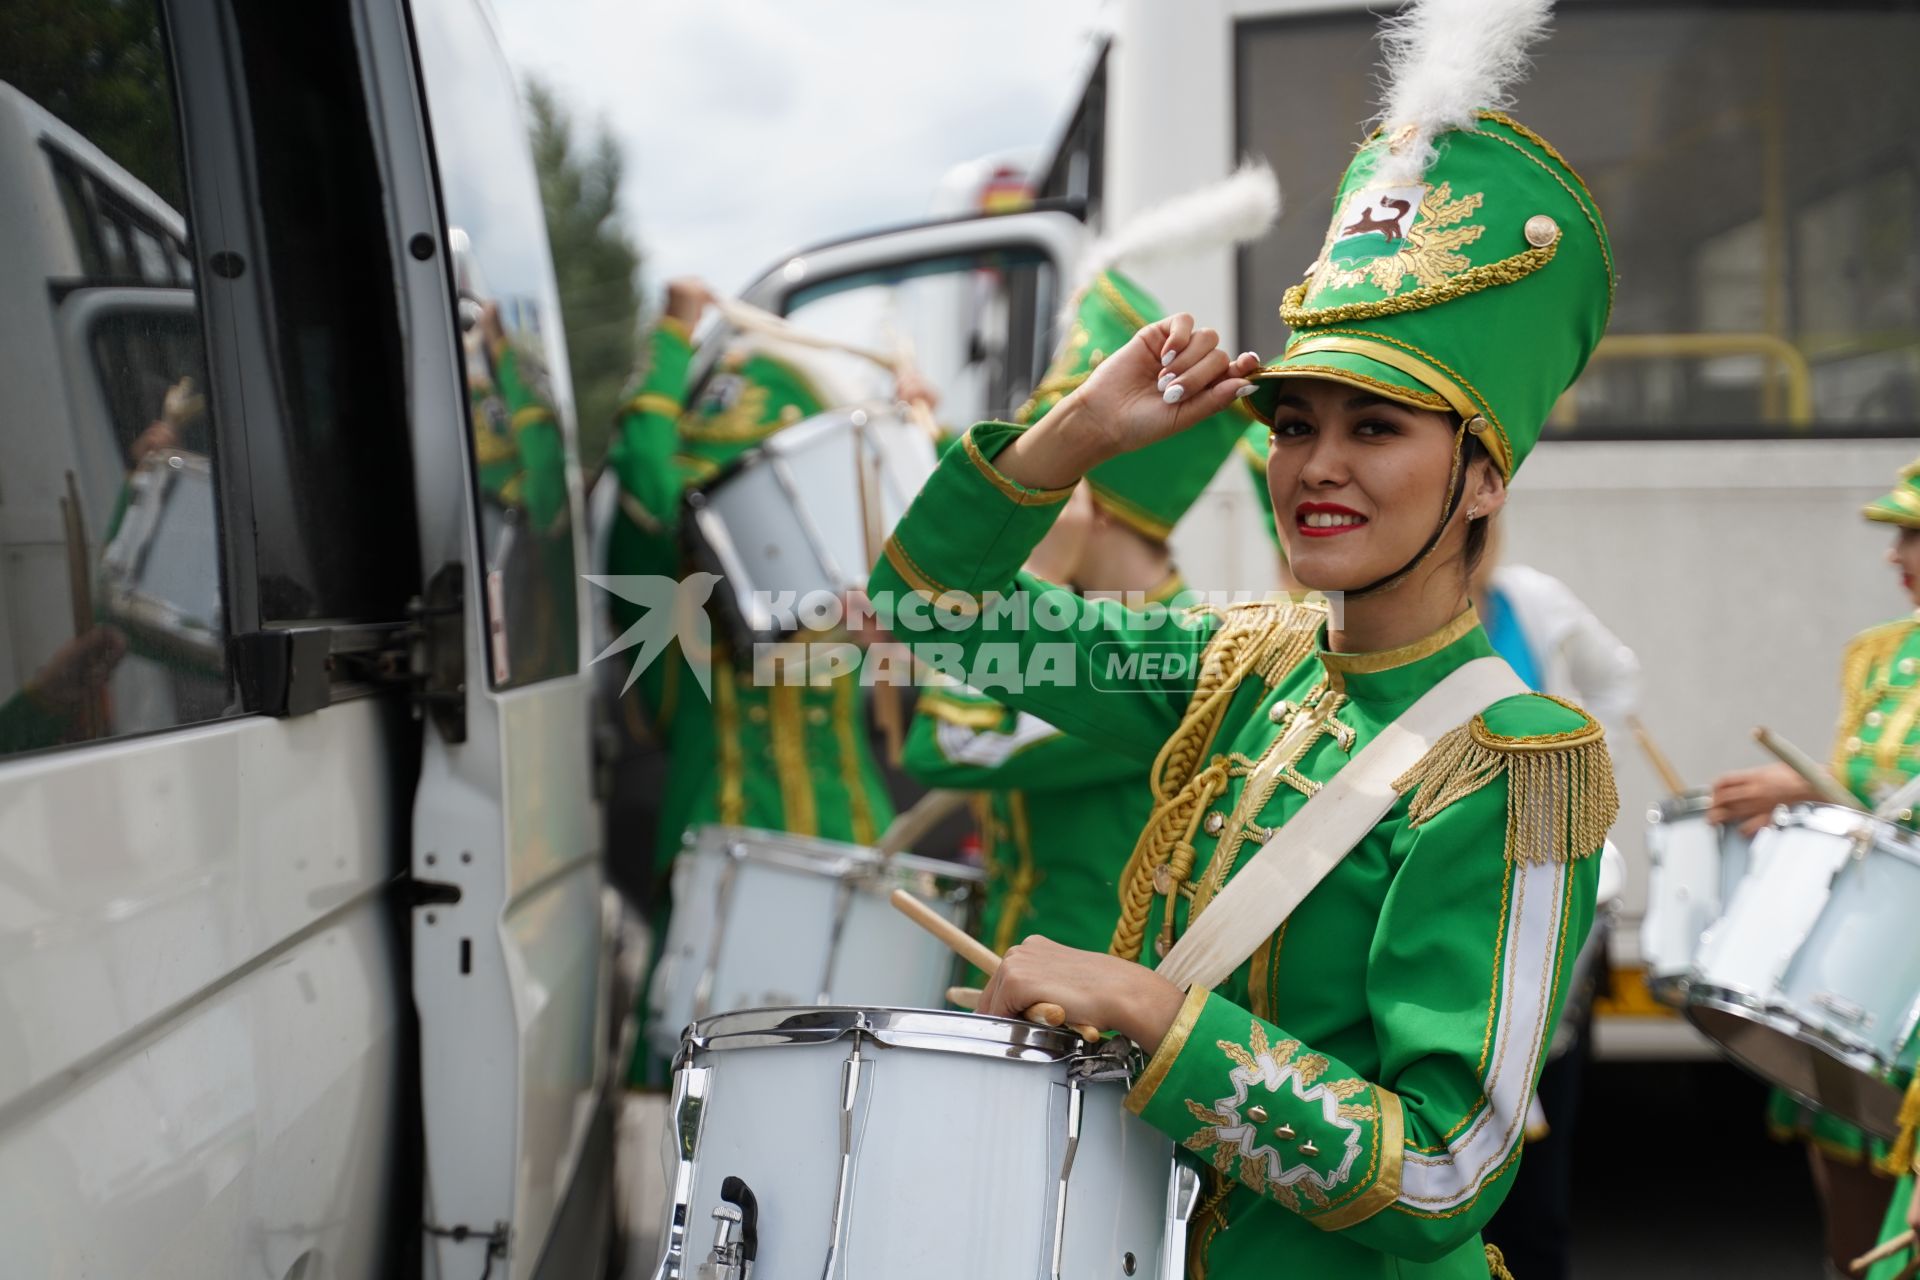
{"x": 1497, "y": 1264}
{"x": 1561, "y": 797}
{"x": 1488, "y": 275}
{"x": 1251, "y": 638}
{"x": 1870, "y": 649}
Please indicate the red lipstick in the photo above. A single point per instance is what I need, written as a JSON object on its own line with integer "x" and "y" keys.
{"x": 1352, "y": 519}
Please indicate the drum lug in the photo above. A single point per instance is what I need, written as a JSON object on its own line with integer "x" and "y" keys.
{"x": 731, "y": 1257}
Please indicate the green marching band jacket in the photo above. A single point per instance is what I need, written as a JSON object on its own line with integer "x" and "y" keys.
{"x": 1357, "y": 1090}
{"x": 782, "y": 757}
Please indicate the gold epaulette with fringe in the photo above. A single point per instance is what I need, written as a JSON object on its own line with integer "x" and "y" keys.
{"x": 1561, "y": 797}
{"x": 1899, "y": 1159}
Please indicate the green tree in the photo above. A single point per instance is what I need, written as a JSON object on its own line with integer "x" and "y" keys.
{"x": 595, "y": 262}
{"x": 98, "y": 66}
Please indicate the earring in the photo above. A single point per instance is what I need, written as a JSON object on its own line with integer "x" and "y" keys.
{"x": 1473, "y": 513}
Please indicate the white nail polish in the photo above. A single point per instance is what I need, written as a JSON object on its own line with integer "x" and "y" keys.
{"x": 1173, "y": 393}
{"x": 1168, "y": 357}
{"x": 1250, "y": 355}
{"x": 1167, "y": 378}
{"x": 1244, "y": 392}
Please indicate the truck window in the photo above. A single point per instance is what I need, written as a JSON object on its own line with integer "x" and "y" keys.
{"x": 521, "y": 406}
{"x": 1762, "y": 193}
{"x": 969, "y": 322}
{"x": 111, "y": 602}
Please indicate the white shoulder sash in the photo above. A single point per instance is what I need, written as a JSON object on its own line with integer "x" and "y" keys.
{"x": 1264, "y": 892}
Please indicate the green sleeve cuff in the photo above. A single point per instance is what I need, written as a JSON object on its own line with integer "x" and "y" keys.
{"x": 1296, "y": 1126}
{"x": 971, "y": 528}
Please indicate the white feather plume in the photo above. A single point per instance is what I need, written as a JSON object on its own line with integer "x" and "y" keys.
{"x": 1444, "y": 61}
{"x": 1238, "y": 208}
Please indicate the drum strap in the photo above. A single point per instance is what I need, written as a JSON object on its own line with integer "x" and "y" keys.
{"x": 1264, "y": 892}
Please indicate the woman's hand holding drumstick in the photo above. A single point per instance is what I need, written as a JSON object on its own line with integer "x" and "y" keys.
{"x": 977, "y": 955}
{"x": 1094, "y": 989}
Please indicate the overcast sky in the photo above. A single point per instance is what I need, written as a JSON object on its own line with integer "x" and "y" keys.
{"x": 751, "y": 127}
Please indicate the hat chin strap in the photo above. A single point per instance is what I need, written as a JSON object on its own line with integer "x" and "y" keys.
{"x": 1456, "y": 489}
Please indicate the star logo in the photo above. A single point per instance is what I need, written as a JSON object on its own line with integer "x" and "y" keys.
{"x": 674, "y": 609}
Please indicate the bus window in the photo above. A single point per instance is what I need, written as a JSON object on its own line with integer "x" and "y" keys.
{"x": 111, "y": 608}
{"x": 1761, "y": 192}
{"x": 521, "y": 406}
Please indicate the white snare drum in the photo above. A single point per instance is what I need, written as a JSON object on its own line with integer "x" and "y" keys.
{"x": 868, "y": 1143}
{"x": 1694, "y": 869}
{"x": 1812, "y": 979}
{"x": 766, "y": 918}
{"x": 789, "y": 515}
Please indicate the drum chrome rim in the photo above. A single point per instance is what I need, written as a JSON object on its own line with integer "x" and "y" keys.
{"x": 938, "y": 1030}
{"x": 1733, "y": 1004}
{"x": 1838, "y": 820}
{"x": 1687, "y": 804}
{"x": 815, "y": 855}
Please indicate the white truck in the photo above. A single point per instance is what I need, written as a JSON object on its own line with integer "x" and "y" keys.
{"x": 305, "y": 961}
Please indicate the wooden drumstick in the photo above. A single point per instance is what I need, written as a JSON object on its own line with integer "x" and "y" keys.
{"x": 922, "y": 816}
{"x": 1801, "y": 763}
{"x": 980, "y": 957}
{"x": 965, "y": 997}
{"x": 1881, "y": 1253}
{"x": 1669, "y": 776}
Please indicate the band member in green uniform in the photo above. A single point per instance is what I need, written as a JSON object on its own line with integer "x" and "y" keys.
{"x": 765, "y": 753}
{"x": 1876, "y": 747}
{"x": 1058, "y": 812}
{"x": 1357, "y": 1088}
{"x": 779, "y": 756}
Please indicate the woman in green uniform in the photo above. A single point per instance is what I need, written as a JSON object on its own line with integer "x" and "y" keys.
{"x": 1357, "y": 1088}
{"x": 1876, "y": 748}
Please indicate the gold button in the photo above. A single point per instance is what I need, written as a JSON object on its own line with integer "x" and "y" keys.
{"x": 1476, "y": 425}
{"x": 757, "y": 714}
{"x": 1093, "y": 360}
{"x": 1284, "y": 1132}
{"x": 1853, "y": 746}
{"x": 1308, "y": 1149}
{"x": 1542, "y": 231}
{"x": 1906, "y": 666}
{"x": 1280, "y": 711}
{"x": 1257, "y": 1114}
{"x": 1214, "y": 824}
{"x": 816, "y": 715}
{"x": 1161, "y": 946}
{"x": 1873, "y": 719}
{"x": 1163, "y": 879}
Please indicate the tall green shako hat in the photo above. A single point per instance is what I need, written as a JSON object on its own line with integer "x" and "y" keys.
{"x": 1466, "y": 267}
{"x": 1151, "y": 488}
{"x": 1902, "y": 506}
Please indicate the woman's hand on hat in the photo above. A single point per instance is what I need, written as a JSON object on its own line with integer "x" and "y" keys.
{"x": 1168, "y": 377}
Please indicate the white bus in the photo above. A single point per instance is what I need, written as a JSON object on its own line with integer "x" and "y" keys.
{"x": 305, "y": 963}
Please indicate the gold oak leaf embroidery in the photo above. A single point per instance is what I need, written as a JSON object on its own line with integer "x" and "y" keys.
{"x": 1235, "y": 1147}
{"x": 1429, "y": 253}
